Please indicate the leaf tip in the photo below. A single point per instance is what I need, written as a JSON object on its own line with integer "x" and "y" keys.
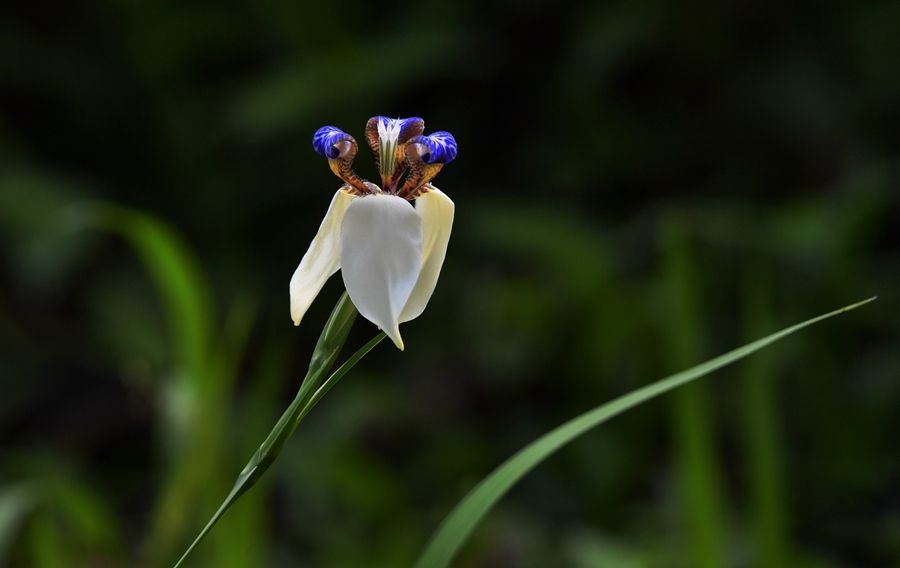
{"x": 860, "y": 303}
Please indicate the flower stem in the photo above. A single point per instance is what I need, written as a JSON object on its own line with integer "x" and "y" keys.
{"x": 312, "y": 389}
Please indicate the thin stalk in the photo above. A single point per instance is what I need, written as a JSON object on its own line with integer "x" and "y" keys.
{"x": 695, "y": 460}
{"x": 761, "y": 425}
{"x": 331, "y": 340}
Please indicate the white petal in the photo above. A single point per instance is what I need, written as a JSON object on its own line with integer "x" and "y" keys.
{"x": 321, "y": 260}
{"x": 436, "y": 211}
{"x": 381, "y": 255}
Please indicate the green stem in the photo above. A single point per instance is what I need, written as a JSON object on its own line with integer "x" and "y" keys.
{"x": 311, "y": 391}
{"x": 697, "y": 470}
{"x": 761, "y": 429}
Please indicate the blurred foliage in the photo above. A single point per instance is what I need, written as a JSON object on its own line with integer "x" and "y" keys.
{"x": 135, "y": 391}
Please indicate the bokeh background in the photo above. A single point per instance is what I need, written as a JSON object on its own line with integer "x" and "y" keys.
{"x": 640, "y": 186}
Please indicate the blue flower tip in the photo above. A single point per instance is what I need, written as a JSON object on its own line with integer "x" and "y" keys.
{"x": 324, "y": 141}
{"x": 440, "y": 147}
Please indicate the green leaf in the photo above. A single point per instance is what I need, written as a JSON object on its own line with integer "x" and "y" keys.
{"x": 16, "y": 503}
{"x": 311, "y": 391}
{"x": 175, "y": 271}
{"x": 463, "y": 519}
{"x": 765, "y": 462}
{"x": 698, "y": 475}
{"x": 195, "y": 401}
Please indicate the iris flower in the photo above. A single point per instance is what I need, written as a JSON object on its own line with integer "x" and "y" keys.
{"x": 389, "y": 252}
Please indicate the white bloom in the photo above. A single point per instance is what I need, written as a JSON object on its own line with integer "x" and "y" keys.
{"x": 389, "y": 252}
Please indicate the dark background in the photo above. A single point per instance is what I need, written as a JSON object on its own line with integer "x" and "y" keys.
{"x": 640, "y": 186}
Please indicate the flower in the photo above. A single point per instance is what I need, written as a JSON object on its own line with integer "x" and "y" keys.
{"x": 389, "y": 252}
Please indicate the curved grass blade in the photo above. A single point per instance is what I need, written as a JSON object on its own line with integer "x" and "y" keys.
{"x": 194, "y": 401}
{"x": 698, "y": 474}
{"x": 175, "y": 270}
{"x": 16, "y": 504}
{"x": 462, "y": 520}
{"x": 311, "y": 391}
{"x": 762, "y": 425}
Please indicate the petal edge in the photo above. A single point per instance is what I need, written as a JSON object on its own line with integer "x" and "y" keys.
{"x": 436, "y": 211}
{"x": 321, "y": 260}
{"x": 381, "y": 257}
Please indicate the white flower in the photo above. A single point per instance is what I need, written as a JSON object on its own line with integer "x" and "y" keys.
{"x": 389, "y": 252}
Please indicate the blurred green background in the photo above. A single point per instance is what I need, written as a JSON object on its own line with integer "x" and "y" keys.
{"x": 640, "y": 186}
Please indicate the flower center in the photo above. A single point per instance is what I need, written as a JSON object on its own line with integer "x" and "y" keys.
{"x": 400, "y": 149}
{"x": 388, "y": 135}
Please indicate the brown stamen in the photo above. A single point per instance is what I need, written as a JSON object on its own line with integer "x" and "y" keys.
{"x": 372, "y": 139}
{"x": 420, "y": 173}
{"x": 342, "y": 166}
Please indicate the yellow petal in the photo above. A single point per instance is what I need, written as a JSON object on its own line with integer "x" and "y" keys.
{"x": 436, "y": 211}
{"x": 321, "y": 260}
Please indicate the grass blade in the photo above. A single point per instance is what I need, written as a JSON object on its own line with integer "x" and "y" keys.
{"x": 765, "y": 461}
{"x": 463, "y": 519}
{"x": 175, "y": 271}
{"x": 698, "y": 478}
{"x": 194, "y": 402}
{"x": 16, "y": 504}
